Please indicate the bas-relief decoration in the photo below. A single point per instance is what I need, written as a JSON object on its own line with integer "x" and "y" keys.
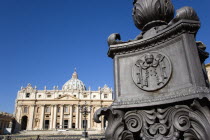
{"x": 152, "y": 71}
{"x": 156, "y": 106}
{"x": 189, "y": 121}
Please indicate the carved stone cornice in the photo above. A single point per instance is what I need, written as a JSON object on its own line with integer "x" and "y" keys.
{"x": 170, "y": 32}
{"x": 180, "y": 95}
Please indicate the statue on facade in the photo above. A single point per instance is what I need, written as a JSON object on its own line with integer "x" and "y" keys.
{"x": 161, "y": 85}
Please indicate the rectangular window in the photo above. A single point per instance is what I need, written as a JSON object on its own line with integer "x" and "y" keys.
{"x": 25, "y": 109}
{"x": 47, "y": 109}
{"x": 65, "y": 109}
{"x": 48, "y": 96}
{"x": 74, "y": 109}
{"x": 105, "y": 95}
{"x": 59, "y": 109}
{"x": 27, "y": 95}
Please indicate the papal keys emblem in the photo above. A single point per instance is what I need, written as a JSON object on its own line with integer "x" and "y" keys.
{"x": 152, "y": 71}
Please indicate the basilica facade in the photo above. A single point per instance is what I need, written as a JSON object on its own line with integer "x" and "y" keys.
{"x": 60, "y": 109}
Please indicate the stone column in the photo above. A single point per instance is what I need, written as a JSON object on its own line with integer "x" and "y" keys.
{"x": 55, "y": 116}
{"x": 70, "y": 116}
{"x": 77, "y": 117}
{"x": 19, "y": 113}
{"x": 80, "y": 120}
{"x": 61, "y": 116}
{"x": 31, "y": 117}
{"x": 89, "y": 119}
{"x": 42, "y": 118}
{"x": 51, "y": 116}
{"x": 92, "y": 122}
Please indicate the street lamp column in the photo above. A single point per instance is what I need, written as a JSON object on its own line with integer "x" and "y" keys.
{"x": 85, "y": 110}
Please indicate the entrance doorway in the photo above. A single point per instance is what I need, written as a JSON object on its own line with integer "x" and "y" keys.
{"x": 46, "y": 124}
{"x": 73, "y": 125}
{"x": 24, "y": 121}
{"x": 65, "y": 124}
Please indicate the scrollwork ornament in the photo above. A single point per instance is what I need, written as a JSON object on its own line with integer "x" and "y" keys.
{"x": 182, "y": 120}
{"x": 133, "y": 121}
{"x": 126, "y": 135}
{"x": 176, "y": 122}
{"x": 115, "y": 122}
{"x": 158, "y": 127}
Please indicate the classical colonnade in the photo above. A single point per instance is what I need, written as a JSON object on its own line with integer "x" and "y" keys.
{"x": 56, "y": 116}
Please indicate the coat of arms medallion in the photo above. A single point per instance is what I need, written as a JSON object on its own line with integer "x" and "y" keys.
{"x": 152, "y": 71}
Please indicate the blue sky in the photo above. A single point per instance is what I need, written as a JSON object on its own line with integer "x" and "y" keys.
{"x": 42, "y": 41}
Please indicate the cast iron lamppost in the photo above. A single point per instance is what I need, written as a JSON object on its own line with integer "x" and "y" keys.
{"x": 85, "y": 110}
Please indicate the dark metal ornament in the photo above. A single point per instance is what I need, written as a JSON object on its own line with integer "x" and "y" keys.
{"x": 151, "y": 13}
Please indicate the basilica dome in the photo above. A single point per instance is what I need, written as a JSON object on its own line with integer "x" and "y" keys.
{"x": 74, "y": 83}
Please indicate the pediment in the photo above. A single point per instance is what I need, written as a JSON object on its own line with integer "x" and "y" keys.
{"x": 67, "y": 97}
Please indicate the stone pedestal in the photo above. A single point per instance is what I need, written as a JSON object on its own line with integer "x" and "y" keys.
{"x": 161, "y": 86}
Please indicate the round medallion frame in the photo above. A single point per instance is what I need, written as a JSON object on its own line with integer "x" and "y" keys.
{"x": 152, "y": 71}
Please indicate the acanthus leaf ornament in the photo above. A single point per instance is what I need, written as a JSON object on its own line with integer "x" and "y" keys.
{"x": 176, "y": 122}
